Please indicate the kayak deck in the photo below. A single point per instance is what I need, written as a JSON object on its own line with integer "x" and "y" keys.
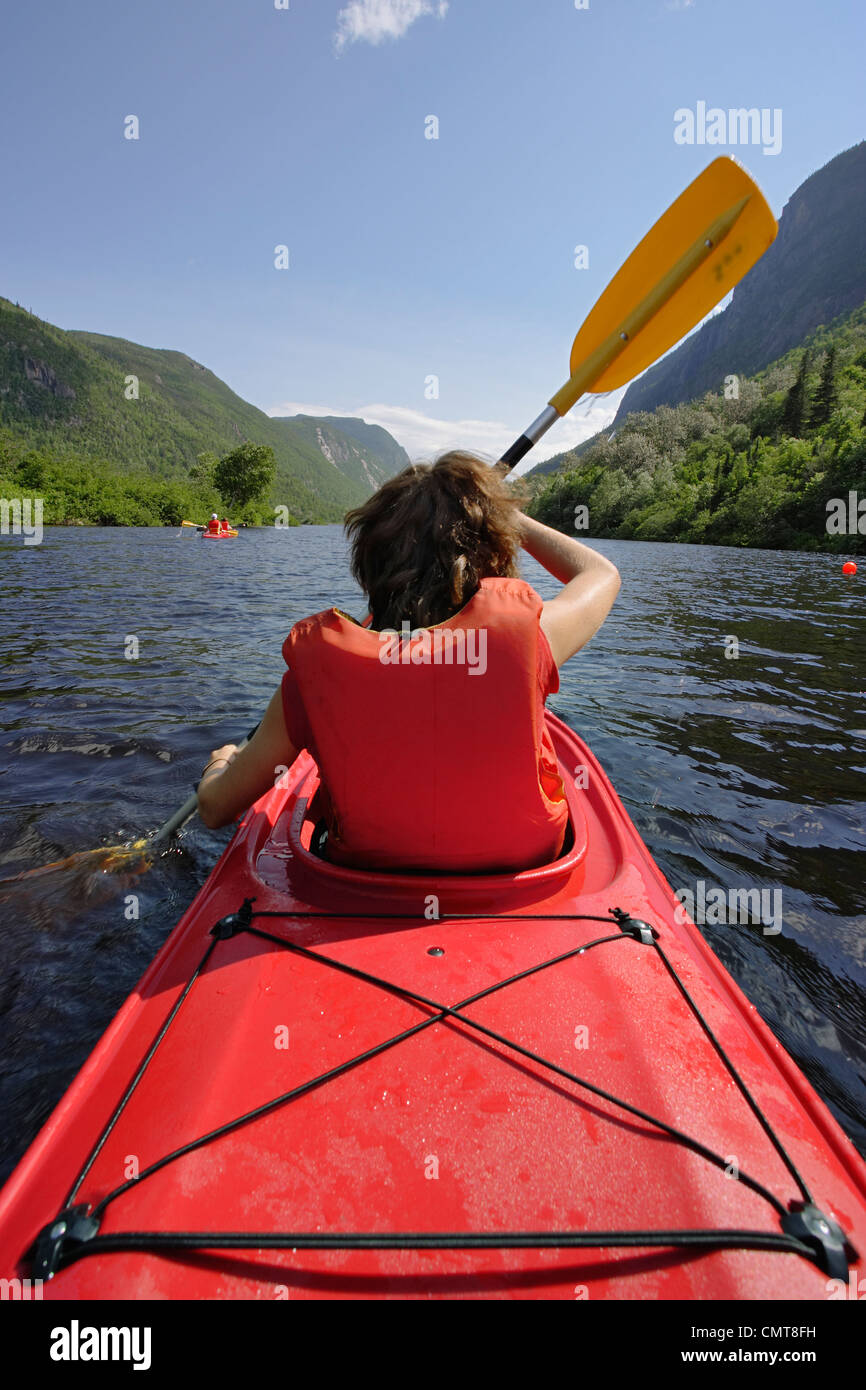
{"x": 354, "y": 1127}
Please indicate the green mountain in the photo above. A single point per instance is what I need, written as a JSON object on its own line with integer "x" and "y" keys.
{"x": 365, "y": 454}
{"x": 775, "y": 464}
{"x": 149, "y": 412}
{"x": 814, "y": 272}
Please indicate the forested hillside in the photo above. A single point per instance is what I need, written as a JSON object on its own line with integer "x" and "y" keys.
{"x": 765, "y": 461}
{"x": 116, "y": 430}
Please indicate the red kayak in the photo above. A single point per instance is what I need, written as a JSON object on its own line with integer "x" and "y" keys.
{"x": 336, "y": 1084}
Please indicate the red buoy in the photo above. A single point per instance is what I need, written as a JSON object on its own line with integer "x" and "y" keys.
{"x": 849, "y": 567}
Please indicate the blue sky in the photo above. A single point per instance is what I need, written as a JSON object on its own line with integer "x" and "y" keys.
{"x": 409, "y": 258}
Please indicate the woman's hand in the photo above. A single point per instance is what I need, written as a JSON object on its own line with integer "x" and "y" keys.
{"x": 236, "y": 777}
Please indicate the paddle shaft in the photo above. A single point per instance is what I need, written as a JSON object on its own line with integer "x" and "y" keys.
{"x": 174, "y": 823}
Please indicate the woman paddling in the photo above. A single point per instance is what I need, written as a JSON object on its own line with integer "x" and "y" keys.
{"x": 426, "y": 723}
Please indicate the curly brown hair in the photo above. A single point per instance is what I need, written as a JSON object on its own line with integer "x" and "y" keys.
{"x": 422, "y": 544}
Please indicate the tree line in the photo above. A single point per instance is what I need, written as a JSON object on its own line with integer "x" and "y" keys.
{"x": 79, "y": 490}
{"x": 762, "y": 462}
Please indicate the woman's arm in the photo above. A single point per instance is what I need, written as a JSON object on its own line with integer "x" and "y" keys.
{"x": 235, "y": 778}
{"x": 590, "y": 585}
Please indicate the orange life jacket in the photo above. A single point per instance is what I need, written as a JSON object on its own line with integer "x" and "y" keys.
{"x": 432, "y": 748}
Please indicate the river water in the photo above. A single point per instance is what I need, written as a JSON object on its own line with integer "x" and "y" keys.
{"x": 740, "y": 770}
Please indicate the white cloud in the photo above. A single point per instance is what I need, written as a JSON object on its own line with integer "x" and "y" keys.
{"x": 425, "y": 436}
{"x": 373, "y": 21}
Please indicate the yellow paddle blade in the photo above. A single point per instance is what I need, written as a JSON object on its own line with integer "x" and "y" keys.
{"x": 673, "y": 279}
{"x": 106, "y": 859}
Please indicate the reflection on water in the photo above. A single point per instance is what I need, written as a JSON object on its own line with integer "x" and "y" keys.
{"x": 746, "y": 770}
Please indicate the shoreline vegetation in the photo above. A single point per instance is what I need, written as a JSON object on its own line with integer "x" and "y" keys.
{"x": 79, "y": 491}
{"x": 776, "y": 461}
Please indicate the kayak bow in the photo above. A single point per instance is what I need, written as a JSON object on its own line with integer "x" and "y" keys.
{"x": 345, "y": 1084}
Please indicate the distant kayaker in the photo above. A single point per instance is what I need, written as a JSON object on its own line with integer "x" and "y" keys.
{"x": 426, "y": 722}
{"x": 214, "y": 524}
{"x": 225, "y": 524}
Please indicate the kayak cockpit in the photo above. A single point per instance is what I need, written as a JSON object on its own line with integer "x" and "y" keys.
{"x": 291, "y": 860}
